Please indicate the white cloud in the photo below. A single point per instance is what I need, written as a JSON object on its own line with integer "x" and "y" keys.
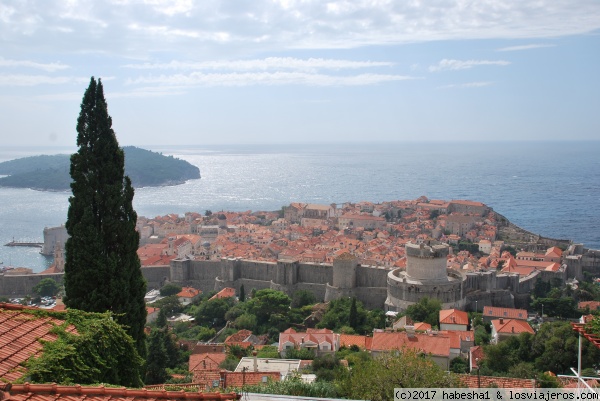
{"x": 468, "y": 85}
{"x": 49, "y": 67}
{"x": 269, "y": 63}
{"x": 265, "y": 78}
{"x": 33, "y": 80}
{"x": 135, "y": 27}
{"x": 524, "y": 47}
{"x": 454, "y": 65}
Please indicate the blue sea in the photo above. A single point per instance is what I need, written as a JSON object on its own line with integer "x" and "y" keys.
{"x": 550, "y": 188}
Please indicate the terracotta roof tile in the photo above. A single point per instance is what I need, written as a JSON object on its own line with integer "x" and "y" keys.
{"x": 454, "y": 316}
{"x": 20, "y": 335}
{"x": 428, "y": 343}
{"x": 53, "y": 392}
{"x": 474, "y": 381}
{"x": 508, "y": 313}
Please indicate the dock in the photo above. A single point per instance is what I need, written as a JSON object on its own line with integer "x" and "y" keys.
{"x": 25, "y": 244}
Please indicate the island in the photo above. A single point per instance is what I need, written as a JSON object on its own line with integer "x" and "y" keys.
{"x": 51, "y": 172}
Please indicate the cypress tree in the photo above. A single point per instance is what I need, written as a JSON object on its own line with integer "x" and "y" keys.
{"x": 102, "y": 269}
{"x": 242, "y": 293}
{"x": 353, "y": 315}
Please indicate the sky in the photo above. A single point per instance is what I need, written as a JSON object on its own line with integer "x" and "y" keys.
{"x": 183, "y": 72}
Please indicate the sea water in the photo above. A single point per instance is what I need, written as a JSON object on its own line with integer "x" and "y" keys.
{"x": 549, "y": 188}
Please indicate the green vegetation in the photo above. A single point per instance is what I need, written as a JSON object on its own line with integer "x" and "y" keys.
{"x": 376, "y": 378}
{"x": 348, "y": 313}
{"x": 47, "y": 287}
{"x": 426, "y": 310}
{"x": 100, "y": 352}
{"x": 170, "y": 289}
{"x": 51, "y": 172}
{"x": 553, "y": 348}
{"x": 293, "y": 386}
{"x": 102, "y": 269}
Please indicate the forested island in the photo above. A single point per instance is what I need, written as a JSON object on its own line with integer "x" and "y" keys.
{"x": 51, "y": 172}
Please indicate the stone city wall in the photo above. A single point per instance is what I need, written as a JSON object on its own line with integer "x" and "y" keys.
{"x": 19, "y": 286}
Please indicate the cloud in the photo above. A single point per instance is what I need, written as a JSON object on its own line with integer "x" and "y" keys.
{"x": 33, "y": 80}
{"x": 453, "y": 65}
{"x": 138, "y": 27}
{"x": 265, "y": 78}
{"x": 269, "y": 63}
{"x": 524, "y": 47}
{"x": 49, "y": 67}
{"x": 468, "y": 85}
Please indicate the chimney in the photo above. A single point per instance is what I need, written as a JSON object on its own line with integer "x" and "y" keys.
{"x": 255, "y": 361}
{"x": 513, "y": 329}
{"x": 501, "y": 321}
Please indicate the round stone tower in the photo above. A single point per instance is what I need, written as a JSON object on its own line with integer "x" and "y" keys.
{"x": 427, "y": 262}
{"x": 426, "y": 275}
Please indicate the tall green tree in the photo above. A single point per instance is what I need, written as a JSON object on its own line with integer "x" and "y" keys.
{"x": 156, "y": 365}
{"x": 102, "y": 269}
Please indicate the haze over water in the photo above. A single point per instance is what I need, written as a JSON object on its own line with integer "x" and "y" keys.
{"x": 550, "y": 188}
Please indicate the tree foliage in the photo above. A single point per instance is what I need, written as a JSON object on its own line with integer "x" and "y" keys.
{"x": 553, "y": 348}
{"x": 340, "y": 312}
{"x": 376, "y": 378}
{"x": 102, "y": 269}
{"x": 302, "y": 298}
{"x": 170, "y": 289}
{"x": 47, "y": 287}
{"x": 426, "y": 310}
{"x": 156, "y": 363}
{"x": 100, "y": 352}
{"x": 212, "y": 313}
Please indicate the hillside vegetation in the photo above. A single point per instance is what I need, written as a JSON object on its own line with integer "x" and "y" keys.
{"x": 51, "y": 172}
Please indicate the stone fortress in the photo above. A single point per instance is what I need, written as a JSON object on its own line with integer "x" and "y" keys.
{"x": 425, "y": 275}
{"x": 389, "y": 288}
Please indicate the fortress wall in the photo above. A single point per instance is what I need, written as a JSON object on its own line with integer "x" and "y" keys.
{"x": 371, "y": 297}
{"x": 368, "y": 276}
{"x": 19, "y": 286}
{"x": 255, "y": 270}
{"x": 590, "y": 261}
{"x": 480, "y": 281}
{"x": 500, "y": 298}
{"x": 344, "y": 271}
{"x": 317, "y": 289}
{"x": 204, "y": 269}
{"x": 156, "y": 276}
{"x": 249, "y": 285}
{"x": 315, "y": 273}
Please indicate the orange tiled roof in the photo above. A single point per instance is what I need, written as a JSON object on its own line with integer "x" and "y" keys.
{"x": 206, "y": 361}
{"x": 593, "y": 305}
{"x": 511, "y": 326}
{"x": 348, "y": 340}
{"x": 20, "y": 335}
{"x": 428, "y": 343}
{"x": 581, "y": 329}
{"x": 422, "y": 326}
{"x": 508, "y": 313}
{"x": 226, "y": 292}
{"x": 474, "y": 381}
{"x": 456, "y": 336}
{"x": 454, "y": 316}
{"x": 188, "y": 292}
{"x": 54, "y": 392}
